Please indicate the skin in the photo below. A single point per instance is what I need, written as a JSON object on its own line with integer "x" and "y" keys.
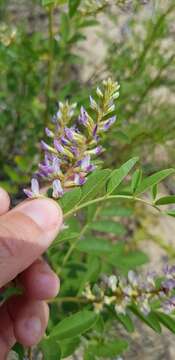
{"x": 25, "y": 233}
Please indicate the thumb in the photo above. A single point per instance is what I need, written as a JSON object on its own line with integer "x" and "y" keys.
{"x": 25, "y": 233}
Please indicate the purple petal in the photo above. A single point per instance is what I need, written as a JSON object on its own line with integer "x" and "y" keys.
{"x": 49, "y": 133}
{"x": 69, "y": 133}
{"x": 168, "y": 306}
{"x": 48, "y": 157}
{"x": 57, "y": 189}
{"x": 79, "y": 180}
{"x": 83, "y": 116}
{"x": 85, "y": 162}
{"x": 58, "y": 146}
{"x": 86, "y": 165}
{"x": 169, "y": 284}
{"x": 56, "y": 165}
{"x": 28, "y": 193}
{"x": 35, "y": 186}
{"x": 45, "y": 169}
{"x": 64, "y": 140}
{"x": 109, "y": 123}
{"x": 74, "y": 150}
{"x": 95, "y": 131}
{"x": 96, "y": 151}
{"x": 34, "y": 192}
{"x": 44, "y": 146}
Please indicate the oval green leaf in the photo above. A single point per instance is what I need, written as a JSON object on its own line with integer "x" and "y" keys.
{"x": 153, "y": 180}
{"x": 119, "y": 174}
{"x": 166, "y": 200}
{"x": 74, "y": 325}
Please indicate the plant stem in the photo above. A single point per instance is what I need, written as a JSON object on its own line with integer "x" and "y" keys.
{"x": 50, "y": 61}
{"x": 72, "y": 247}
{"x": 150, "y": 86}
{"x": 74, "y": 244}
{"x": 109, "y": 197}
{"x": 150, "y": 39}
{"x": 29, "y": 353}
{"x": 68, "y": 299}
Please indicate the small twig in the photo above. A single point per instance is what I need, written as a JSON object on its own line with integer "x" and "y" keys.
{"x": 74, "y": 244}
{"x": 109, "y": 197}
{"x": 29, "y": 353}
{"x": 150, "y": 39}
{"x": 50, "y": 60}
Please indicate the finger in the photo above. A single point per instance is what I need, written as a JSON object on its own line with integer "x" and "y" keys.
{"x": 30, "y": 320}
{"x": 7, "y": 337}
{"x": 39, "y": 281}
{"x": 25, "y": 233}
{"x": 4, "y": 201}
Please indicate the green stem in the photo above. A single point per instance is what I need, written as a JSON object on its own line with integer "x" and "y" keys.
{"x": 74, "y": 244}
{"x": 109, "y": 197}
{"x": 50, "y": 61}
{"x": 150, "y": 86}
{"x": 150, "y": 39}
{"x": 68, "y": 299}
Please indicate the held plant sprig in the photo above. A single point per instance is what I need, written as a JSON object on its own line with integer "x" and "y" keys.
{"x": 70, "y": 174}
{"x": 74, "y": 144}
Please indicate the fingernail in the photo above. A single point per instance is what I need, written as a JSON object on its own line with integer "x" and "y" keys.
{"x": 32, "y": 328}
{"x": 45, "y": 213}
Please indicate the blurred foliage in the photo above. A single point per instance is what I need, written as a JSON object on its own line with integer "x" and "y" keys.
{"x": 142, "y": 58}
{"x": 40, "y": 61}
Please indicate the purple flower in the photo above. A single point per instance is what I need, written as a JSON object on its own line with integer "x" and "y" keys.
{"x": 149, "y": 282}
{"x": 169, "y": 305}
{"x": 69, "y": 133}
{"x": 96, "y": 151}
{"x": 109, "y": 123}
{"x": 143, "y": 303}
{"x": 58, "y": 146}
{"x": 49, "y": 133}
{"x": 47, "y": 158}
{"x": 95, "y": 132}
{"x": 45, "y": 169}
{"x": 169, "y": 284}
{"x": 169, "y": 271}
{"x": 79, "y": 179}
{"x": 57, "y": 189}
{"x": 34, "y": 192}
{"x": 83, "y": 118}
{"x": 71, "y": 148}
{"x": 54, "y": 118}
{"x": 74, "y": 150}
{"x": 64, "y": 140}
{"x": 133, "y": 278}
{"x": 86, "y": 165}
{"x": 56, "y": 165}
{"x": 45, "y": 146}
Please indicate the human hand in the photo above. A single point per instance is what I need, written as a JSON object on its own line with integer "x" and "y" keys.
{"x": 25, "y": 233}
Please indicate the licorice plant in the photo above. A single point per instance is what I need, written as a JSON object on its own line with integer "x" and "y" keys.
{"x": 100, "y": 285}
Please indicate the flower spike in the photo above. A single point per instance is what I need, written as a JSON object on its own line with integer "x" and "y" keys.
{"x": 67, "y": 161}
